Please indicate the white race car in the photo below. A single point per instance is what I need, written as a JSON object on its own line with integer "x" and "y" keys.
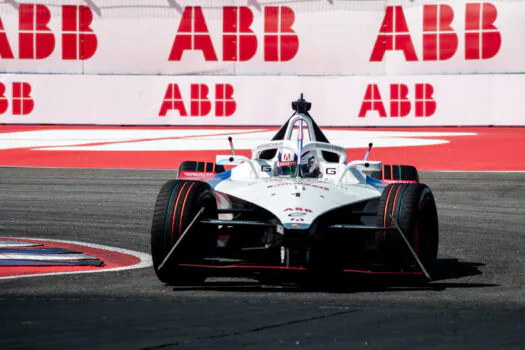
{"x": 296, "y": 206}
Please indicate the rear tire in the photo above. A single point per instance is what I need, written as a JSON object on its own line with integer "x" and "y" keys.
{"x": 177, "y": 204}
{"x": 414, "y": 208}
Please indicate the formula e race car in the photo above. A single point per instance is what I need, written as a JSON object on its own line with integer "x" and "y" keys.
{"x": 296, "y": 208}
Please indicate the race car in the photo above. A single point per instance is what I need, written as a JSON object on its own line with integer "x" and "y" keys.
{"x": 297, "y": 208}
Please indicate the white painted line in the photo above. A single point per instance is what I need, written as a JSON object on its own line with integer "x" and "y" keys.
{"x": 15, "y": 244}
{"x": 46, "y": 257}
{"x": 145, "y": 259}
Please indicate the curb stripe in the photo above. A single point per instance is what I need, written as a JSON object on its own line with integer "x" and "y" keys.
{"x": 145, "y": 259}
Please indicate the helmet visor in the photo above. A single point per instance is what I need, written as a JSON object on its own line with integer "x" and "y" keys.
{"x": 287, "y": 168}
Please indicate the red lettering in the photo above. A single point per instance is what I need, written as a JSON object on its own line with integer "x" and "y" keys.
{"x": 372, "y": 102}
{"x": 36, "y": 41}
{"x": 173, "y": 100}
{"x": 239, "y": 41}
{"x": 399, "y": 103}
{"x": 440, "y": 42}
{"x": 79, "y": 42}
{"x": 225, "y": 105}
{"x": 200, "y": 105}
{"x": 482, "y": 38}
{"x": 3, "y": 100}
{"x": 425, "y": 104}
{"x": 394, "y": 35}
{"x": 192, "y": 35}
{"x": 5, "y": 48}
{"x": 280, "y": 41}
{"x": 23, "y": 103}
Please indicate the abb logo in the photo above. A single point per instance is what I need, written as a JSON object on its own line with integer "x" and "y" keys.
{"x": 400, "y": 104}
{"x": 37, "y": 41}
{"x": 21, "y": 101}
{"x": 440, "y": 42}
{"x": 298, "y": 209}
{"x": 200, "y": 104}
{"x": 239, "y": 42}
{"x": 287, "y": 156}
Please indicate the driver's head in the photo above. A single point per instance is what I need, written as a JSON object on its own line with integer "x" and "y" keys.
{"x": 286, "y": 163}
{"x": 310, "y": 165}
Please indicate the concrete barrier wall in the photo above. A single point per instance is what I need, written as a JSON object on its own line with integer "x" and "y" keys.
{"x": 241, "y": 62}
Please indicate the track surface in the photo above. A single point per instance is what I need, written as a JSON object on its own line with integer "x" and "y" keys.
{"x": 478, "y": 300}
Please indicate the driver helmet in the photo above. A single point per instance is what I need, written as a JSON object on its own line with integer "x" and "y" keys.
{"x": 286, "y": 163}
{"x": 310, "y": 165}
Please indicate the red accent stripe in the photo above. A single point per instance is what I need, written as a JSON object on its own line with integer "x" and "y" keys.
{"x": 174, "y": 212}
{"x": 386, "y": 208}
{"x": 384, "y": 272}
{"x": 394, "y": 204}
{"x": 298, "y": 269}
{"x": 245, "y": 267}
{"x": 182, "y": 211}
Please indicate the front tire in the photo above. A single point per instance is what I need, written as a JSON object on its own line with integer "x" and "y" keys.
{"x": 178, "y": 202}
{"x": 414, "y": 208}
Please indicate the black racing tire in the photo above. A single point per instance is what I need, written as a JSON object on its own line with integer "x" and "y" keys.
{"x": 190, "y": 165}
{"x": 396, "y": 172}
{"x": 178, "y": 202}
{"x": 414, "y": 208}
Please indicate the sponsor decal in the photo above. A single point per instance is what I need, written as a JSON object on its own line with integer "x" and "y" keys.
{"x": 266, "y": 168}
{"x": 331, "y": 171}
{"x": 36, "y": 41}
{"x": 297, "y": 219}
{"x": 399, "y": 181}
{"x": 400, "y": 104}
{"x": 296, "y": 214}
{"x": 279, "y": 41}
{"x": 286, "y": 156}
{"x": 298, "y": 183}
{"x": 21, "y": 101}
{"x": 196, "y": 174}
{"x": 286, "y": 163}
{"x": 200, "y": 105}
{"x": 482, "y": 38}
{"x": 270, "y": 145}
{"x": 304, "y": 210}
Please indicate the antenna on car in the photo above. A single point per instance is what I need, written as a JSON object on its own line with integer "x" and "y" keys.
{"x": 301, "y": 105}
{"x": 230, "y": 140}
{"x": 368, "y": 151}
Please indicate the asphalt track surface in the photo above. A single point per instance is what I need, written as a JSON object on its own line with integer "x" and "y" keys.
{"x": 477, "y": 300}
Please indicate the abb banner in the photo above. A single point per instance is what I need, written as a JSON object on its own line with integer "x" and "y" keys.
{"x": 268, "y": 37}
{"x": 423, "y": 100}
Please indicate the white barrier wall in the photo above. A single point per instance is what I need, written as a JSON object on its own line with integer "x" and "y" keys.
{"x": 241, "y": 62}
{"x": 246, "y": 37}
{"x": 226, "y": 100}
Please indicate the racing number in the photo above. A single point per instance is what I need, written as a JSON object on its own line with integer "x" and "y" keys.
{"x": 331, "y": 171}
{"x": 266, "y": 168}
